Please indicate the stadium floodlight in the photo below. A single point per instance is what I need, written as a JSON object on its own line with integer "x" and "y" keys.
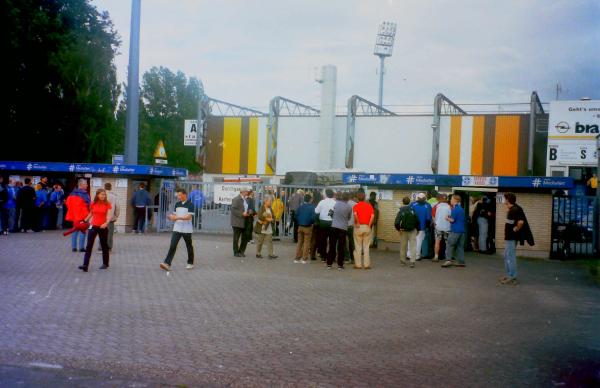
{"x": 384, "y": 46}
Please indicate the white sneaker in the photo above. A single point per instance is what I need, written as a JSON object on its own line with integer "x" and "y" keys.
{"x": 297, "y": 261}
{"x": 305, "y": 261}
{"x": 189, "y": 266}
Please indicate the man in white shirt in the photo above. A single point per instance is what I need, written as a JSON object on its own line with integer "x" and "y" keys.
{"x": 182, "y": 227}
{"x": 325, "y": 211}
{"x": 442, "y": 226}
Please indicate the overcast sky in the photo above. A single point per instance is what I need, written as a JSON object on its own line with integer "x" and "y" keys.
{"x": 481, "y": 51}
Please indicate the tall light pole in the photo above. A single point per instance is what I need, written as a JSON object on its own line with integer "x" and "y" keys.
{"x": 384, "y": 45}
{"x": 133, "y": 89}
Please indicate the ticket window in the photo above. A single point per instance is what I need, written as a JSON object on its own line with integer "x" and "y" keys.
{"x": 558, "y": 171}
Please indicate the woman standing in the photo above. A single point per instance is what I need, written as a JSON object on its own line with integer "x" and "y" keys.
{"x": 99, "y": 215}
{"x": 264, "y": 228}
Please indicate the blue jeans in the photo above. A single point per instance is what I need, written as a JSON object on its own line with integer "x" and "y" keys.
{"x": 510, "y": 258}
{"x": 455, "y": 247}
{"x": 81, "y": 237}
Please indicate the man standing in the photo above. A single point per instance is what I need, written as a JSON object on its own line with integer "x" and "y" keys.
{"x": 324, "y": 239}
{"x": 350, "y": 231}
{"x": 278, "y": 209}
{"x": 375, "y": 206}
{"x": 294, "y": 204}
{"x": 78, "y": 208}
{"x": 26, "y": 202}
{"x": 423, "y": 210}
{"x": 305, "y": 217}
{"x": 57, "y": 199}
{"x": 455, "y": 246}
{"x": 406, "y": 224}
{"x": 113, "y": 214}
{"x": 364, "y": 217}
{"x": 11, "y": 206}
{"x": 341, "y": 215}
{"x": 442, "y": 225}
{"x": 196, "y": 197}
{"x": 140, "y": 201}
{"x": 516, "y": 229}
{"x": 182, "y": 227}
{"x": 239, "y": 214}
{"x": 3, "y": 209}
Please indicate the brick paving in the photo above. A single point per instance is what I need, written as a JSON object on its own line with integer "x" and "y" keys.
{"x": 250, "y": 322}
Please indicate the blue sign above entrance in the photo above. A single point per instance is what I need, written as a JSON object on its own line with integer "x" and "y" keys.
{"x": 93, "y": 168}
{"x": 536, "y": 182}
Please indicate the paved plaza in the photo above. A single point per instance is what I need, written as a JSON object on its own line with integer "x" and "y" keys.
{"x": 251, "y": 322}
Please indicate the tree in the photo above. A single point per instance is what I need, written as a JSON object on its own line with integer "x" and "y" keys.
{"x": 60, "y": 83}
{"x": 167, "y": 100}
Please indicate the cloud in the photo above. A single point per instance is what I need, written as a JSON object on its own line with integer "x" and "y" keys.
{"x": 473, "y": 50}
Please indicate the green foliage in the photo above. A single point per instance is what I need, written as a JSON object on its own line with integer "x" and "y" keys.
{"x": 60, "y": 88}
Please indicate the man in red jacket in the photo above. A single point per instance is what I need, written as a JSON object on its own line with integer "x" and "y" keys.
{"x": 78, "y": 208}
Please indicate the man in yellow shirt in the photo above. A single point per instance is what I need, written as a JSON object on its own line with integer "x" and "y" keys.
{"x": 278, "y": 208}
{"x": 593, "y": 184}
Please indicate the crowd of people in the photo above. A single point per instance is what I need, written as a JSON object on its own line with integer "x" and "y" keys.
{"x": 335, "y": 227}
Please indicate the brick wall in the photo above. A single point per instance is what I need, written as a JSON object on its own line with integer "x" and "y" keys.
{"x": 387, "y": 214}
{"x": 538, "y": 209}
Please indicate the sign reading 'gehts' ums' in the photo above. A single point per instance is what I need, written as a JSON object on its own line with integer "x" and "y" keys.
{"x": 225, "y": 193}
{"x": 572, "y": 130}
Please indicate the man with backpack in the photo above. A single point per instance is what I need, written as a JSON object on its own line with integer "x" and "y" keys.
{"x": 423, "y": 210}
{"x": 406, "y": 224}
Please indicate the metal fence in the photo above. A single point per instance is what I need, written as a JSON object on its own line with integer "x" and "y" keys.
{"x": 572, "y": 227}
{"x": 212, "y": 203}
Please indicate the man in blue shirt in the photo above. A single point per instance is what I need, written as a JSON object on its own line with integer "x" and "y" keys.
{"x": 455, "y": 246}
{"x": 140, "y": 201}
{"x": 423, "y": 210}
{"x": 196, "y": 197}
{"x": 305, "y": 217}
{"x": 11, "y": 206}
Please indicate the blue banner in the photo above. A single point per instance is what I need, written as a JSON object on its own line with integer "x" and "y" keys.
{"x": 94, "y": 168}
{"x": 536, "y": 182}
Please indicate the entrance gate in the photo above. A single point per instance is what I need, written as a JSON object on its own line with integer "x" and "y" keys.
{"x": 212, "y": 202}
{"x": 572, "y": 227}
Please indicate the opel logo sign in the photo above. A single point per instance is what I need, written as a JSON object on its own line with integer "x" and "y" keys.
{"x": 562, "y": 127}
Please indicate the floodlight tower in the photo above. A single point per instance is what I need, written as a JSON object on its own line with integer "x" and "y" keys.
{"x": 384, "y": 45}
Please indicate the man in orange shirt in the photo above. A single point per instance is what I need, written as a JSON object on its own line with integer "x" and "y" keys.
{"x": 364, "y": 216}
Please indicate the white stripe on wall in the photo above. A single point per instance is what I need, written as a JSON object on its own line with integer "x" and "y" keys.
{"x": 466, "y": 142}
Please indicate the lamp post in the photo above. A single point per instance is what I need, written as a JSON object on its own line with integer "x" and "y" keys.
{"x": 384, "y": 45}
{"x": 133, "y": 94}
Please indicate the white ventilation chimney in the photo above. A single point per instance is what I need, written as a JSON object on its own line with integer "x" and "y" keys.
{"x": 328, "y": 91}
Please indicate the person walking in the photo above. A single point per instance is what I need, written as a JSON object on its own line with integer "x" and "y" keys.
{"x": 442, "y": 211}
{"x": 406, "y": 224}
{"x": 264, "y": 228}
{"x": 140, "y": 201}
{"x": 423, "y": 210}
{"x": 98, "y": 218}
{"x": 364, "y": 217}
{"x": 342, "y": 212}
{"x": 305, "y": 217}
{"x": 114, "y": 214}
{"x": 182, "y": 227}
{"x": 78, "y": 209}
{"x": 239, "y": 213}
{"x": 26, "y": 202}
{"x": 516, "y": 228}
{"x": 455, "y": 246}
{"x": 325, "y": 211}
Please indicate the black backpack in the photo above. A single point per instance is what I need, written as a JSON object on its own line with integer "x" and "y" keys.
{"x": 406, "y": 219}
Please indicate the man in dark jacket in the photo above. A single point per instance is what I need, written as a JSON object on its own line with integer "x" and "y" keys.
{"x": 516, "y": 229}
{"x": 140, "y": 201}
{"x": 240, "y": 211}
{"x": 26, "y": 202}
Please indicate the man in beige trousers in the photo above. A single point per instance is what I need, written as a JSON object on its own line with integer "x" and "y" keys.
{"x": 364, "y": 216}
